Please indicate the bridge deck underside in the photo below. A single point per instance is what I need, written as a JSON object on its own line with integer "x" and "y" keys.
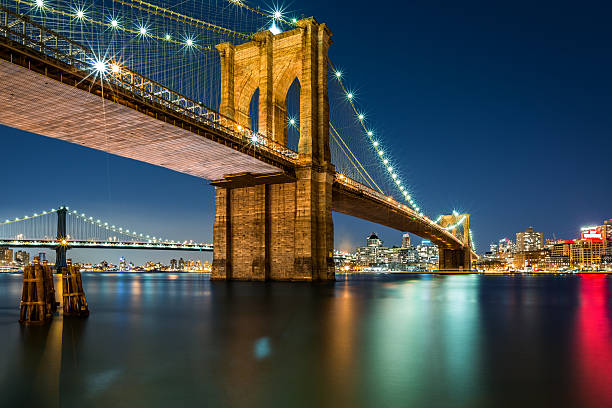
{"x": 362, "y": 206}
{"x": 34, "y": 103}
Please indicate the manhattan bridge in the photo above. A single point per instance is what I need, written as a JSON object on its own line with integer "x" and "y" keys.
{"x": 245, "y": 98}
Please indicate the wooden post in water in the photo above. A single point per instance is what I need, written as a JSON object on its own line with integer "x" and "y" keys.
{"x": 36, "y": 305}
{"x": 49, "y": 288}
{"x": 73, "y": 297}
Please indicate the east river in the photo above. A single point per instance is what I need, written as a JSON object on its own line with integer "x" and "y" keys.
{"x": 174, "y": 340}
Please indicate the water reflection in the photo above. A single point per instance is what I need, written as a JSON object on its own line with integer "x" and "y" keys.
{"x": 160, "y": 340}
{"x": 594, "y": 341}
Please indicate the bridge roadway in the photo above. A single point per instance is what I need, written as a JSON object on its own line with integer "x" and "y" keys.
{"x": 43, "y": 94}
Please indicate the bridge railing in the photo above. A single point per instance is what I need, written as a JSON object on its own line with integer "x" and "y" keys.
{"x": 25, "y": 31}
{"x": 363, "y": 189}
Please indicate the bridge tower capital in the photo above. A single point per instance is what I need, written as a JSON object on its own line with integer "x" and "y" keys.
{"x": 456, "y": 259}
{"x": 270, "y": 63}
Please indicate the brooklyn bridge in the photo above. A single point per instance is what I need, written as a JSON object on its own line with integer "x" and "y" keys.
{"x": 215, "y": 106}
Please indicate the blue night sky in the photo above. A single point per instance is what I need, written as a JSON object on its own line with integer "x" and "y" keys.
{"x": 502, "y": 111}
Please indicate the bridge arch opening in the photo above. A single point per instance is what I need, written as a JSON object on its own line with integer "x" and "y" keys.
{"x": 292, "y": 104}
{"x": 254, "y": 111}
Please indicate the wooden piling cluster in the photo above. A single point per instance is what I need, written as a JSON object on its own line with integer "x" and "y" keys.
{"x": 74, "y": 300}
{"x": 38, "y": 295}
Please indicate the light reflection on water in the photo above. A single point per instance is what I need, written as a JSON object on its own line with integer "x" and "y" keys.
{"x": 424, "y": 341}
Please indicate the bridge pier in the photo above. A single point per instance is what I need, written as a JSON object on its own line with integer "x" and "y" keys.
{"x": 60, "y": 250}
{"x": 280, "y": 231}
{"x": 454, "y": 259}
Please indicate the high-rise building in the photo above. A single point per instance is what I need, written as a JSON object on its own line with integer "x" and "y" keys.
{"x": 428, "y": 252}
{"x": 506, "y": 246}
{"x": 529, "y": 241}
{"x": 406, "y": 240}
{"x": 22, "y": 258}
{"x": 373, "y": 253}
{"x": 6, "y": 256}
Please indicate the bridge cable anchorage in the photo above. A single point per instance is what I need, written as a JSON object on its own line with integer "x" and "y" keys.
{"x": 163, "y": 12}
{"x": 370, "y": 135}
{"x": 116, "y": 26}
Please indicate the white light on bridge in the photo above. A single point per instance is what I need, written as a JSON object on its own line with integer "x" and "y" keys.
{"x": 115, "y": 68}
{"x": 189, "y": 42}
{"x": 338, "y": 74}
{"x": 375, "y": 144}
{"x": 80, "y": 14}
{"x": 40, "y": 3}
{"x": 114, "y": 23}
{"x": 142, "y": 30}
{"x": 277, "y": 14}
{"x": 168, "y": 37}
{"x": 100, "y": 66}
{"x": 370, "y": 133}
{"x": 350, "y": 95}
{"x": 361, "y": 117}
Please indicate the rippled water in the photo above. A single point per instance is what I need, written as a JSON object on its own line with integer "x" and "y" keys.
{"x": 162, "y": 340}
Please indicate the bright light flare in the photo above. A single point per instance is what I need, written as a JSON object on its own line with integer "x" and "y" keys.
{"x": 142, "y": 30}
{"x": 100, "y": 66}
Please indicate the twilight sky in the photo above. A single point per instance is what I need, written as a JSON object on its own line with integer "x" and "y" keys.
{"x": 502, "y": 111}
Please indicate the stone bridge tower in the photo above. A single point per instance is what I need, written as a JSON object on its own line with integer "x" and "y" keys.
{"x": 456, "y": 259}
{"x": 281, "y": 229}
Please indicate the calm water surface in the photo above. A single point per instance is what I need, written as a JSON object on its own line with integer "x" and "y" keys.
{"x": 170, "y": 340}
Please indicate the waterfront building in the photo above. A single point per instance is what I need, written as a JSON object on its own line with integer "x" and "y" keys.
{"x": 529, "y": 259}
{"x": 529, "y": 240}
{"x": 586, "y": 254}
{"x": 428, "y": 252}
{"x": 558, "y": 254}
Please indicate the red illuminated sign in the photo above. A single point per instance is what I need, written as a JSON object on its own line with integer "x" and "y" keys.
{"x": 592, "y": 235}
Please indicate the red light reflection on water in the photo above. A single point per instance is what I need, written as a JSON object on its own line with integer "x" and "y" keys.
{"x": 594, "y": 341}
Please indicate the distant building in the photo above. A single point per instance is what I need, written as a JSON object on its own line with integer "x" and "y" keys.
{"x": 428, "y": 252}
{"x": 173, "y": 265}
{"x": 505, "y": 245}
{"x": 558, "y": 254}
{"x": 529, "y": 241}
{"x": 6, "y": 256}
{"x": 22, "y": 258}
{"x": 406, "y": 241}
{"x": 586, "y": 254}
{"x": 373, "y": 253}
